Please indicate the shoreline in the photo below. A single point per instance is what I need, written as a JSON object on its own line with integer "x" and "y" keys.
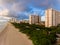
{"x": 4, "y": 26}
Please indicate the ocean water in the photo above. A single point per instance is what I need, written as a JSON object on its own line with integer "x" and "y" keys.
{"x": 3, "y": 23}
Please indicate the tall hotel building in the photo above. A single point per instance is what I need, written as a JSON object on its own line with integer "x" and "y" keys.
{"x": 52, "y": 17}
{"x": 34, "y": 19}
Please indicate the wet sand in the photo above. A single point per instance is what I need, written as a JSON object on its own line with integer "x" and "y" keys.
{"x": 11, "y": 36}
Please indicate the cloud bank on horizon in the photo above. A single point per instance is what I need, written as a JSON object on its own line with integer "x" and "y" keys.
{"x": 17, "y": 8}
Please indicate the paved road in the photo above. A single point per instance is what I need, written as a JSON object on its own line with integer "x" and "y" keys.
{"x": 11, "y": 36}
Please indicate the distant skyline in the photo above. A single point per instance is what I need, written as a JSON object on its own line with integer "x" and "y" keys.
{"x": 17, "y": 8}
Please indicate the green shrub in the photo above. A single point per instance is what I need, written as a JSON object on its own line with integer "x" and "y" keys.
{"x": 42, "y": 36}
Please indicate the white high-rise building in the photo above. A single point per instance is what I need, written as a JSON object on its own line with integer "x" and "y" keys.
{"x": 52, "y": 17}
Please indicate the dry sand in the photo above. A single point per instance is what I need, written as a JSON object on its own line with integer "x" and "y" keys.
{"x": 11, "y": 36}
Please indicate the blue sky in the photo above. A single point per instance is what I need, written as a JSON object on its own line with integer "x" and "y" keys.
{"x": 23, "y": 8}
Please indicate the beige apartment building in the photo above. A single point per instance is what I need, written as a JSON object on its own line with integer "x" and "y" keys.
{"x": 52, "y": 17}
{"x": 13, "y": 19}
{"x": 34, "y": 19}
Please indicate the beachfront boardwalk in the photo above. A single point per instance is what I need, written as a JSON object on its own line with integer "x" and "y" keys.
{"x": 11, "y": 36}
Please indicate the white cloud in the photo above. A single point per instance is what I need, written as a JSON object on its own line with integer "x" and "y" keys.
{"x": 21, "y": 5}
{"x": 14, "y": 5}
{"x": 4, "y": 12}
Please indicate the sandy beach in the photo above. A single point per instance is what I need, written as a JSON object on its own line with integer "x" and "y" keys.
{"x": 11, "y": 36}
